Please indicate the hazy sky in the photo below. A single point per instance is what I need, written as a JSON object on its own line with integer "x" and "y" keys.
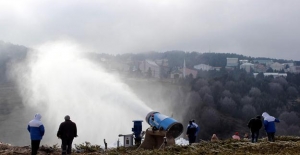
{"x": 268, "y": 28}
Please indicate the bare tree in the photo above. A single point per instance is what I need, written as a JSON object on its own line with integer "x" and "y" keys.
{"x": 210, "y": 118}
{"x": 226, "y": 93}
{"x": 275, "y": 89}
{"x": 228, "y": 105}
{"x": 200, "y": 83}
{"x": 248, "y": 111}
{"x": 282, "y": 128}
{"x": 230, "y": 85}
{"x": 205, "y": 90}
{"x": 216, "y": 89}
{"x": 292, "y": 92}
{"x": 290, "y": 118}
{"x": 254, "y": 92}
{"x": 247, "y": 100}
{"x": 281, "y": 80}
{"x": 193, "y": 97}
{"x": 293, "y": 130}
{"x": 208, "y": 100}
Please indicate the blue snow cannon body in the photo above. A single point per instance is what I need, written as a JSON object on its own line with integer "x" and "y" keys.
{"x": 162, "y": 122}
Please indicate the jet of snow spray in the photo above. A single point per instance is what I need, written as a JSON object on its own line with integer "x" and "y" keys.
{"x": 58, "y": 81}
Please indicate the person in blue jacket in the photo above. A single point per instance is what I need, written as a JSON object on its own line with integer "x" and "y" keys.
{"x": 192, "y": 131}
{"x": 197, "y": 127}
{"x": 36, "y": 130}
{"x": 269, "y": 124}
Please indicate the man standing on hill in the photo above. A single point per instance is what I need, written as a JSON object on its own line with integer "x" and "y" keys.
{"x": 255, "y": 124}
{"x": 197, "y": 127}
{"x": 269, "y": 123}
{"x": 36, "y": 130}
{"x": 66, "y": 132}
{"x": 192, "y": 131}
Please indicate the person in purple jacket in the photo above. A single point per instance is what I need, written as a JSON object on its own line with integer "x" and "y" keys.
{"x": 36, "y": 130}
{"x": 269, "y": 124}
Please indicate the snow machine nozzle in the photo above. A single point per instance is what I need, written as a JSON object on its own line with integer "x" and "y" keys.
{"x": 163, "y": 122}
{"x": 162, "y": 131}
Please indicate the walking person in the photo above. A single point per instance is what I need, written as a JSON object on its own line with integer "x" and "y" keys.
{"x": 255, "y": 124}
{"x": 36, "y": 130}
{"x": 269, "y": 123}
{"x": 191, "y": 132}
{"x": 66, "y": 132}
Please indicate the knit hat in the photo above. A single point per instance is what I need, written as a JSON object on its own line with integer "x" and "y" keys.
{"x": 67, "y": 117}
{"x": 258, "y": 117}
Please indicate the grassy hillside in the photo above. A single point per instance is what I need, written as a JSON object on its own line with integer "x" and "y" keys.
{"x": 283, "y": 145}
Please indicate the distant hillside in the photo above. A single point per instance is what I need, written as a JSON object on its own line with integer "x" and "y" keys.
{"x": 175, "y": 58}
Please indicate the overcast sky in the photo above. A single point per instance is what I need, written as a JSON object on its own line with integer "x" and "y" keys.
{"x": 259, "y": 28}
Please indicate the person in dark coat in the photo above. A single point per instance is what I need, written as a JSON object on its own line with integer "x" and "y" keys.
{"x": 66, "y": 132}
{"x": 255, "y": 125}
{"x": 191, "y": 132}
{"x": 36, "y": 130}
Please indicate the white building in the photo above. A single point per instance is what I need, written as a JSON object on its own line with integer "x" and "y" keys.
{"x": 232, "y": 62}
{"x": 247, "y": 66}
{"x": 203, "y": 67}
{"x": 265, "y": 62}
{"x": 243, "y": 61}
{"x": 147, "y": 65}
{"x": 275, "y": 75}
{"x": 277, "y": 66}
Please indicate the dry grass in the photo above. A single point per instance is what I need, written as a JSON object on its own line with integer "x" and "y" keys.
{"x": 284, "y": 145}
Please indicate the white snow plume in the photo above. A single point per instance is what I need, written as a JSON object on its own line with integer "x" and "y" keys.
{"x": 56, "y": 81}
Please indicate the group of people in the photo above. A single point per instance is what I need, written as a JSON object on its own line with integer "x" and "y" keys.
{"x": 67, "y": 132}
{"x": 255, "y": 124}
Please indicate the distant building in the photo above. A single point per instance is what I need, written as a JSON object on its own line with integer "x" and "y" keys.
{"x": 147, "y": 65}
{"x": 232, "y": 62}
{"x": 295, "y": 69}
{"x": 164, "y": 67}
{"x": 176, "y": 74}
{"x": 289, "y": 64}
{"x": 247, "y": 67}
{"x": 243, "y": 61}
{"x": 203, "y": 67}
{"x": 180, "y": 74}
{"x": 260, "y": 68}
{"x": 217, "y": 68}
{"x": 275, "y": 75}
{"x": 118, "y": 66}
{"x": 263, "y": 61}
{"x": 277, "y": 66}
{"x": 189, "y": 71}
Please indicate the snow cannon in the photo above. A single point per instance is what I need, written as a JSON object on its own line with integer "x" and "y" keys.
{"x": 162, "y": 131}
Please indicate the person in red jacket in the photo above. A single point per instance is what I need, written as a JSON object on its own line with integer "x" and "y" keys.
{"x": 66, "y": 132}
{"x": 236, "y": 136}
